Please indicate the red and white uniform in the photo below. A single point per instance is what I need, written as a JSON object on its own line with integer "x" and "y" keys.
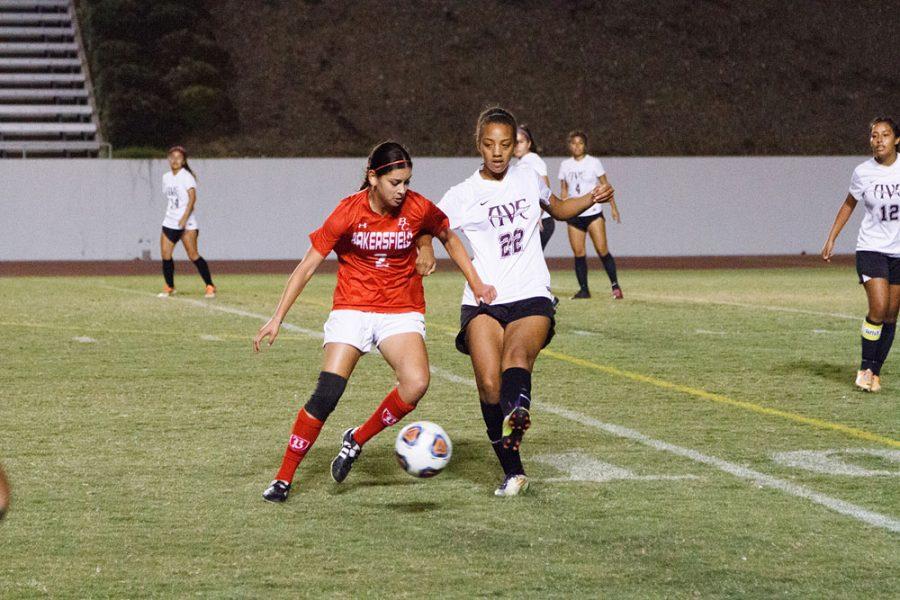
{"x": 377, "y": 267}
{"x": 377, "y": 254}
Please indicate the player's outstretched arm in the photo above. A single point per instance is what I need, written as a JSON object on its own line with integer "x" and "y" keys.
{"x": 839, "y": 221}
{"x": 4, "y": 494}
{"x": 562, "y": 210}
{"x": 295, "y": 284}
{"x": 457, "y": 251}
{"x": 425, "y": 261}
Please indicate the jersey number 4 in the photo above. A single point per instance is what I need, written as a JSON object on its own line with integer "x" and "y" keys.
{"x": 511, "y": 242}
{"x": 890, "y": 212}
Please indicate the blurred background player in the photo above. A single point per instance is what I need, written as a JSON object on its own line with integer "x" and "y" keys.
{"x": 180, "y": 188}
{"x": 379, "y": 301}
{"x": 499, "y": 210}
{"x": 876, "y": 183}
{"x": 578, "y": 175}
{"x": 528, "y": 153}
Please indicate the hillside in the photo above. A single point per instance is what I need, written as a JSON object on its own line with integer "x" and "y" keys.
{"x": 675, "y": 77}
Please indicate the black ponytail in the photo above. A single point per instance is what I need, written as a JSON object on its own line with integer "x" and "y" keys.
{"x": 384, "y": 158}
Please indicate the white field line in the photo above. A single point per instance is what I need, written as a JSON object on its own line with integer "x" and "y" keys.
{"x": 760, "y": 479}
{"x": 769, "y": 307}
{"x": 84, "y": 339}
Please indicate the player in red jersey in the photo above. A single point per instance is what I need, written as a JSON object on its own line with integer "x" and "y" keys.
{"x": 379, "y": 301}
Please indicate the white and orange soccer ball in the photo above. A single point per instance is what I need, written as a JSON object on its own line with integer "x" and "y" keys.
{"x": 423, "y": 449}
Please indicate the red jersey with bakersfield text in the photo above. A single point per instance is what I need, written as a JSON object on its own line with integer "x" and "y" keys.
{"x": 377, "y": 254}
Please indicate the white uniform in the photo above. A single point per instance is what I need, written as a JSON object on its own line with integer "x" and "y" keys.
{"x": 500, "y": 219}
{"x": 175, "y": 187}
{"x": 582, "y": 176}
{"x": 878, "y": 187}
{"x": 535, "y": 162}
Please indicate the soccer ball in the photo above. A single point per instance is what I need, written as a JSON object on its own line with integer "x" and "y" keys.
{"x": 423, "y": 449}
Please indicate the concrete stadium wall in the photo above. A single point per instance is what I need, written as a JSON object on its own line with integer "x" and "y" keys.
{"x": 265, "y": 208}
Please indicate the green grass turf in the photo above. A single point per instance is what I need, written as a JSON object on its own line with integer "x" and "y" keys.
{"x": 137, "y": 460}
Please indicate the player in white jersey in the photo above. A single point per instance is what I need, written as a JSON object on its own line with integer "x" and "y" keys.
{"x": 578, "y": 174}
{"x": 499, "y": 210}
{"x": 180, "y": 224}
{"x": 876, "y": 183}
{"x": 527, "y": 151}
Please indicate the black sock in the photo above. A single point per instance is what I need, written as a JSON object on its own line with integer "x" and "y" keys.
{"x": 609, "y": 263}
{"x": 581, "y": 271}
{"x": 871, "y": 335}
{"x": 169, "y": 272}
{"x": 515, "y": 389}
{"x": 509, "y": 459}
{"x": 203, "y": 269}
{"x": 884, "y": 345}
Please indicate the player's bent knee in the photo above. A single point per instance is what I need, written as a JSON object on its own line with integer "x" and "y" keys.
{"x": 324, "y": 399}
{"x": 414, "y": 388}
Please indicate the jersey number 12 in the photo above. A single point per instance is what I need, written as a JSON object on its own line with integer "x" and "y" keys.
{"x": 889, "y": 212}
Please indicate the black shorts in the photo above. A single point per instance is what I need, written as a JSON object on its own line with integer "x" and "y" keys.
{"x": 173, "y": 234}
{"x": 582, "y": 223}
{"x": 875, "y": 265}
{"x": 506, "y": 314}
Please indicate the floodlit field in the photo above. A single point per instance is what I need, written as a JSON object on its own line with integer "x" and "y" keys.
{"x": 139, "y": 432}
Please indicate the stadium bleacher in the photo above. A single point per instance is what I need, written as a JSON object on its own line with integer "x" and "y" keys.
{"x": 47, "y": 106}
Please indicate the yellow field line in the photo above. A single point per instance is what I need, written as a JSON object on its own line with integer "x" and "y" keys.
{"x": 721, "y": 399}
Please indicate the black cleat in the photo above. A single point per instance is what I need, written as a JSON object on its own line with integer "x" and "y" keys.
{"x": 343, "y": 462}
{"x": 555, "y": 302}
{"x": 514, "y": 426}
{"x": 581, "y": 294}
{"x": 277, "y": 491}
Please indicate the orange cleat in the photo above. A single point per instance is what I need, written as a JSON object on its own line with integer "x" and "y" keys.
{"x": 210, "y": 291}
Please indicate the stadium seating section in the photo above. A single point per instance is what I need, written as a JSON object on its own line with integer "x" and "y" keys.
{"x": 46, "y": 102}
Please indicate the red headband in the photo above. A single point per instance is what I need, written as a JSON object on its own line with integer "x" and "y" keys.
{"x": 177, "y": 149}
{"x": 396, "y": 162}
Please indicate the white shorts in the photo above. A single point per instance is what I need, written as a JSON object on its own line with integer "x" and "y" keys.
{"x": 365, "y": 329}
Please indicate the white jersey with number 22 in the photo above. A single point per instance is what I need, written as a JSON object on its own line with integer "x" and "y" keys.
{"x": 501, "y": 221}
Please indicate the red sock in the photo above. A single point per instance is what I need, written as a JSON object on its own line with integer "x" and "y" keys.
{"x": 391, "y": 410}
{"x": 303, "y": 436}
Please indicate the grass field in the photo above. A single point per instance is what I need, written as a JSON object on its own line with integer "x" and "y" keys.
{"x": 139, "y": 432}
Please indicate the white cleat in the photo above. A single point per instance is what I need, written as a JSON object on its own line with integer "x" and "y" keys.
{"x": 512, "y": 486}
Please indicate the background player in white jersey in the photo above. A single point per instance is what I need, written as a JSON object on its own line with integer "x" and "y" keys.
{"x": 528, "y": 153}
{"x": 180, "y": 188}
{"x": 499, "y": 210}
{"x": 578, "y": 175}
{"x": 876, "y": 183}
